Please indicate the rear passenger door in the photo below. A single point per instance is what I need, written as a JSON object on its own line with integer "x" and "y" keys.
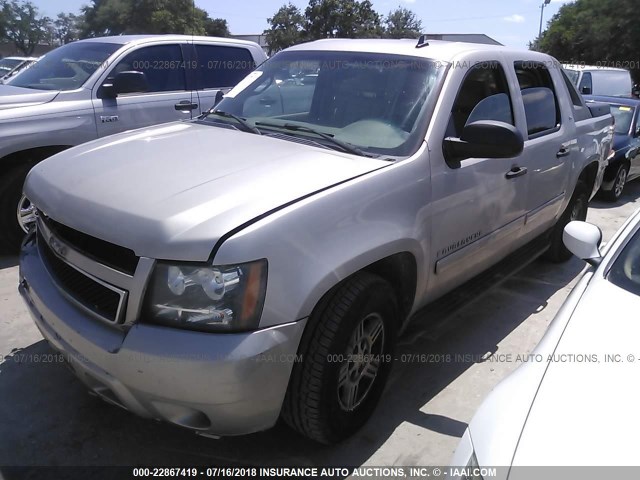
{"x": 165, "y": 99}
{"x": 219, "y": 67}
{"x": 550, "y": 142}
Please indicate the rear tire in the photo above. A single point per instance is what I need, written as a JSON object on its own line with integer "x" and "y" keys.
{"x": 11, "y": 184}
{"x": 576, "y": 210}
{"x": 619, "y": 182}
{"x": 347, "y": 353}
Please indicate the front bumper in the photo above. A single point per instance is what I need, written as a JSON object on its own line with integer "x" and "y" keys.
{"x": 219, "y": 384}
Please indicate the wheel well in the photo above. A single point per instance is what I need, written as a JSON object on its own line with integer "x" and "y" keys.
{"x": 589, "y": 174}
{"x": 30, "y": 155}
{"x": 401, "y": 272}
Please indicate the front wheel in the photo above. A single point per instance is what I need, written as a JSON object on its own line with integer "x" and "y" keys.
{"x": 347, "y": 353}
{"x": 620, "y": 181}
{"x": 576, "y": 210}
{"x": 11, "y": 233}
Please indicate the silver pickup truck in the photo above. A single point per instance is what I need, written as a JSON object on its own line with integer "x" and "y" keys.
{"x": 261, "y": 260}
{"x": 101, "y": 86}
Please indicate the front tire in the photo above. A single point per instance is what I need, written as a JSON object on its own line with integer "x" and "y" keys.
{"x": 347, "y": 353}
{"x": 619, "y": 182}
{"x": 11, "y": 234}
{"x": 576, "y": 210}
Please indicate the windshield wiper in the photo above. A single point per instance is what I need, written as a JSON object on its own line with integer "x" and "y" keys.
{"x": 300, "y": 128}
{"x": 246, "y": 126}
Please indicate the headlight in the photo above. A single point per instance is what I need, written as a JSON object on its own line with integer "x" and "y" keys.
{"x": 214, "y": 299}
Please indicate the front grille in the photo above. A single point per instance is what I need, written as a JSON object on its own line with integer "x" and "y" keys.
{"x": 109, "y": 254}
{"x": 89, "y": 293}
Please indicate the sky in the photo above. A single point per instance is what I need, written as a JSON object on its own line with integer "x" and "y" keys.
{"x": 511, "y": 22}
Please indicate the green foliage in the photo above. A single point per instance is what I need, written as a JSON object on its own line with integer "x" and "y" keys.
{"x": 22, "y": 25}
{"x": 595, "y": 32}
{"x": 402, "y": 23}
{"x": 287, "y": 28}
{"x": 343, "y": 19}
{"x": 116, "y": 17}
{"x": 66, "y": 27}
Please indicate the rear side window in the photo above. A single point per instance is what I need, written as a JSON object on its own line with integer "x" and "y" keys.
{"x": 541, "y": 106}
{"x": 484, "y": 95}
{"x": 221, "y": 67}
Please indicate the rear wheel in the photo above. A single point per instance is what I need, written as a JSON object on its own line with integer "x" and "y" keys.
{"x": 11, "y": 183}
{"x": 347, "y": 353}
{"x": 620, "y": 181}
{"x": 576, "y": 210}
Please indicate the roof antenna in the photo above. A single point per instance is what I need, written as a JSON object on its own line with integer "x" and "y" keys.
{"x": 422, "y": 41}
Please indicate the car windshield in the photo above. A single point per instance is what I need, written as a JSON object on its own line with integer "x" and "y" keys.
{"x": 625, "y": 271}
{"x": 623, "y": 116}
{"x": 378, "y": 103}
{"x": 8, "y": 64}
{"x": 573, "y": 75}
{"x": 66, "y": 67}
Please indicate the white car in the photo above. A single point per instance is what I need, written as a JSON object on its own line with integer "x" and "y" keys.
{"x": 575, "y": 403}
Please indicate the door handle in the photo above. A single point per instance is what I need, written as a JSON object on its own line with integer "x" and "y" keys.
{"x": 185, "y": 105}
{"x": 515, "y": 172}
{"x": 563, "y": 152}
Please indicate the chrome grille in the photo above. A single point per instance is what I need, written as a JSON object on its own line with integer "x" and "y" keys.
{"x": 103, "y": 300}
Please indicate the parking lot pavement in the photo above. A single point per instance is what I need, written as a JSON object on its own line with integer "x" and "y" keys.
{"x": 47, "y": 418}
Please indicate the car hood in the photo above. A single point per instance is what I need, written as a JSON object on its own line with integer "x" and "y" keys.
{"x": 14, "y": 97}
{"x": 172, "y": 191}
{"x": 586, "y": 409}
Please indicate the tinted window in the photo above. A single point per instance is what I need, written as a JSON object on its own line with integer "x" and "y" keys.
{"x": 625, "y": 271}
{"x": 66, "y": 67}
{"x": 484, "y": 95}
{"x": 538, "y": 95}
{"x": 586, "y": 85}
{"x": 162, "y": 66}
{"x": 221, "y": 67}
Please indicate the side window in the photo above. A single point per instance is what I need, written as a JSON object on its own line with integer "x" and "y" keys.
{"x": 162, "y": 66}
{"x": 221, "y": 67}
{"x": 541, "y": 106}
{"x": 484, "y": 95}
{"x": 586, "y": 84}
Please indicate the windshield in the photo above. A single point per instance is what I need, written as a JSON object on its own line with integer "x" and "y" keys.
{"x": 625, "y": 271}
{"x": 623, "y": 116}
{"x": 375, "y": 102}
{"x": 573, "y": 75}
{"x": 8, "y": 64}
{"x": 66, "y": 67}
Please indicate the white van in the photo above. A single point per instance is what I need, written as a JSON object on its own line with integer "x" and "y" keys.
{"x": 592, "y": 80}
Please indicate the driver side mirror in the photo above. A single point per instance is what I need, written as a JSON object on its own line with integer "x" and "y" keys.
{"x": 123, "y": 82}
{"x": 586, "y": 90}
{"x": 484, "y": 139}
{"x": 583, "y": 240}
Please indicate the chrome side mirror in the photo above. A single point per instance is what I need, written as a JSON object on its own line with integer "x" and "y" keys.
{"x": 583, "y": 240}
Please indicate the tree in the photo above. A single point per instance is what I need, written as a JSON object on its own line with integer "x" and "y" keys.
{"x": 594, "y": 32}
{"x": 402, "y": 23}
{"x": 116, "y": 17}
{"x": 286, "y": 28}
{"x": 66, "y": 27}
{"x": 23, "y": 26}
{"x": 342, "y": 18}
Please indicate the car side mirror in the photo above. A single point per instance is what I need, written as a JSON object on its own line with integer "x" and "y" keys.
{"x": 484, "y": 139}
{"x": 123, "y": 82}
{"x": 218, "y": 99}
{"x": 586, "y": 90}
{"x": 583, "y": 240}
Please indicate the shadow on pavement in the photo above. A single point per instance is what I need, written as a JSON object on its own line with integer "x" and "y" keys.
{"x": 630, "y": 194}
{"x": 8, "y": 261}
{"x": 49, "y": 419}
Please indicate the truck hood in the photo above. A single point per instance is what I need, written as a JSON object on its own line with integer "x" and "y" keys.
{"x": 14, "y": 97}
{"x": 586, "y": 409}
{"x": 172, "y": 191}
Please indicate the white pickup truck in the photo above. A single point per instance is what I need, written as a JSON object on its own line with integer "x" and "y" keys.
{"x": 100, "y": 86}
{"x": 261, "y": 260}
